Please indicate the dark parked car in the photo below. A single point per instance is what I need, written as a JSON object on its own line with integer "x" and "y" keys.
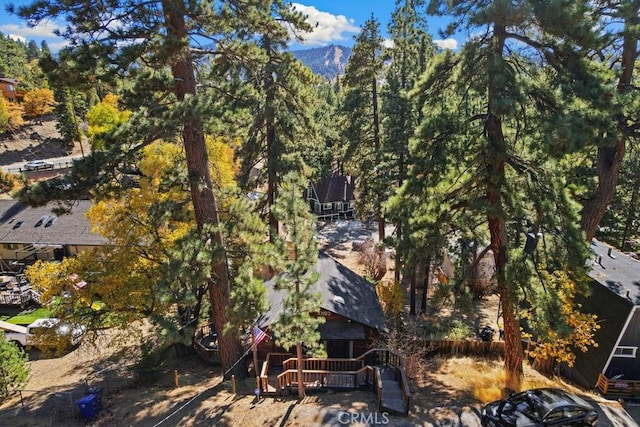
{"x": 540, "y": 407}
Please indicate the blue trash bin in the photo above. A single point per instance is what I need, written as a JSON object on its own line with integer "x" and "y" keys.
{"x": 89, "y": 406}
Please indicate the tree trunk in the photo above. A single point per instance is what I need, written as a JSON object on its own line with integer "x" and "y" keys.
{"x": 376, "y": 147}
{"x": 496, "y": 158}
{"x": 427, "y": 282}
{"x": 273, "y": 151}
{"x": 201, "y": 186}
{"x": 609, "y": 158}
{"x": 631, "y": 212}
{"x": 412, "y": 296}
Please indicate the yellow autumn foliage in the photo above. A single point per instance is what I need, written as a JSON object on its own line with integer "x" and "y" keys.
{"x": 390, "y": 296}
{"x": 560, "y": 347}
{"x": 122, "y": 277}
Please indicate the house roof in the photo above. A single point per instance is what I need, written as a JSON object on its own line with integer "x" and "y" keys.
{"x": 335, "y": 188}
{"x": 10, "y": 81}
{"x": 39, "y": 225}
{"x": 343, "y": 292}
{"x": 615, "y": 271}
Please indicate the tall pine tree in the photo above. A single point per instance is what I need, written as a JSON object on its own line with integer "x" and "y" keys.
{"x": 497, "y": 121}
{"x": 361, "y": 135}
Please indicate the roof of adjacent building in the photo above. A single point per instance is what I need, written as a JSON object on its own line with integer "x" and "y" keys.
{"x": 10, "y": 81}
{"x": 343, "y": 292}
{"x": 616, "y": 271}
{"x": 335, "y": 188}
{"x": 40, "y": 225}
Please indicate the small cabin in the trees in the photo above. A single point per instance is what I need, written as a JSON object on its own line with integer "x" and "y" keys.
{"x": 332, "y": 197}
{"x": 9, "y": 89}
{"x": 349, "y": 303}
{"x": 614, "y": 365}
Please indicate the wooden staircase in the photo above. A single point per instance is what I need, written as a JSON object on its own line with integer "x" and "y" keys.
{"x": 380, "y": 368}
{"x": 391, "y": 397}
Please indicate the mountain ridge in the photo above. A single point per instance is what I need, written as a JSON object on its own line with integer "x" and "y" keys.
{"x": 327, "y": 61}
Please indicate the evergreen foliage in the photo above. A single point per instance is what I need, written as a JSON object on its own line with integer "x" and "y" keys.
{"x": 296, "y": 325}
{"x": 361, "y": 133}
{"x": 479, "y": 169}
{"x": 408, "y": 57}
{"x": 14, "y": 369}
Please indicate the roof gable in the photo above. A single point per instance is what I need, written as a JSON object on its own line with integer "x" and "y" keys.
{"x": 335, "y": 188}
{"x": 343, "y": 292}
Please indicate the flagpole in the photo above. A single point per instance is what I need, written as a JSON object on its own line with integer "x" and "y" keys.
{"x": 254, "y": 346}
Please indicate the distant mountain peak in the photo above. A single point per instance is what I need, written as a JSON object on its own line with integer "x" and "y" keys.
{"x": 327, "y": 61}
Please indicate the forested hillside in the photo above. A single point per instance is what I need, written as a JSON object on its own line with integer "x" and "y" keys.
{"x": 520, "y": 146}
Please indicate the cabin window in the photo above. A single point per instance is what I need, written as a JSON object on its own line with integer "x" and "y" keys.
{"x": 625, "y": 351}
{"x": 327, "y": 206}
{"x": 10, "y": 246}
{"x": 10, "y": 88}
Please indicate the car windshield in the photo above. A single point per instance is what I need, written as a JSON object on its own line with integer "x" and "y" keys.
{"x": 528, "y": 405}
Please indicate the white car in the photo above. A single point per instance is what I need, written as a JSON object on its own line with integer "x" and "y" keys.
{"x": 35, "y": 165}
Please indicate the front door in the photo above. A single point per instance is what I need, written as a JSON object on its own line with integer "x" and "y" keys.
{"x": 338, "y": 349}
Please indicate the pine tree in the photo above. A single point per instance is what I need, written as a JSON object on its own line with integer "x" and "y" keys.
{"x": 611, "y": 149}
{"x": 296, "y": 326}
{"x": 67, "y": 122}
{"x": 362, "y": 131}
{"x": 412, "y": 46}
{"x": 492, "y": 140}
{"x": 282, "y": 132}
{"x": 152, "y": 47}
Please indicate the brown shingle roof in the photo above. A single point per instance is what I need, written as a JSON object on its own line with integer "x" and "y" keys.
{"x": 29, "y": 225}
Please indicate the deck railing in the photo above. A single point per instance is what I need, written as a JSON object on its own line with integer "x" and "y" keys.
{"x": 335, "y": 372}
{"x": 320, "y": 378}
{"x": 401, "y": 377}
{"x": 618, "y": 387}
{"x": 319, "y": 364}
{"x": 377, "y": 382}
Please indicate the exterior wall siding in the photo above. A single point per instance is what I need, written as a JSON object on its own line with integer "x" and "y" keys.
{"x": 628, "y": 367}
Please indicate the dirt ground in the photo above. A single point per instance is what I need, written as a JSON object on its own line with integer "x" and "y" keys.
{"x": 35, "y": 141}
{"x": 445, "y": 391}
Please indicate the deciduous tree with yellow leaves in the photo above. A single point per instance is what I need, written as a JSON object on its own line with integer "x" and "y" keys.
{"x": 38, "y": 102}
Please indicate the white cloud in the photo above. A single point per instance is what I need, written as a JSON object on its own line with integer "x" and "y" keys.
{"x": 44, "y": 29}
{"x": 388, "y": 43}
{"x": 447, "y": 44}
{"x": 327, "y": 28}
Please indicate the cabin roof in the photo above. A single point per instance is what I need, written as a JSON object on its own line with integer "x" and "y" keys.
{"x": 616, "y": 271}
{"x": 343, "y": 292}
{"x": 335, "y": 188}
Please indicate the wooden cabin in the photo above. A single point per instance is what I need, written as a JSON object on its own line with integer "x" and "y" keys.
{"x": 350, "y": 305}
{"x": 333, "y": 197}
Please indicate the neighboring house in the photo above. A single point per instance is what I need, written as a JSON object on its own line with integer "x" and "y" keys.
{"x": 349, "y": 304}
{"x": 332, "y": 197}
{"x": 28, "y": 234}
{"x": 9, "y": 89}
{"x": 615, "y": 299}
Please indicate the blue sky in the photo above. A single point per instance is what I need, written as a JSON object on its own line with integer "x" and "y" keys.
{"x": 335, "y": 22}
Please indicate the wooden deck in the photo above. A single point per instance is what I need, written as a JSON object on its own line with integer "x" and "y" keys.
{"x": 616, "y": 388}
{"x": 379, "y": 369}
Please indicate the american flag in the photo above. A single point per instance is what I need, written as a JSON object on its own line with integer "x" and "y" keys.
{"x": 258, "y": 335}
